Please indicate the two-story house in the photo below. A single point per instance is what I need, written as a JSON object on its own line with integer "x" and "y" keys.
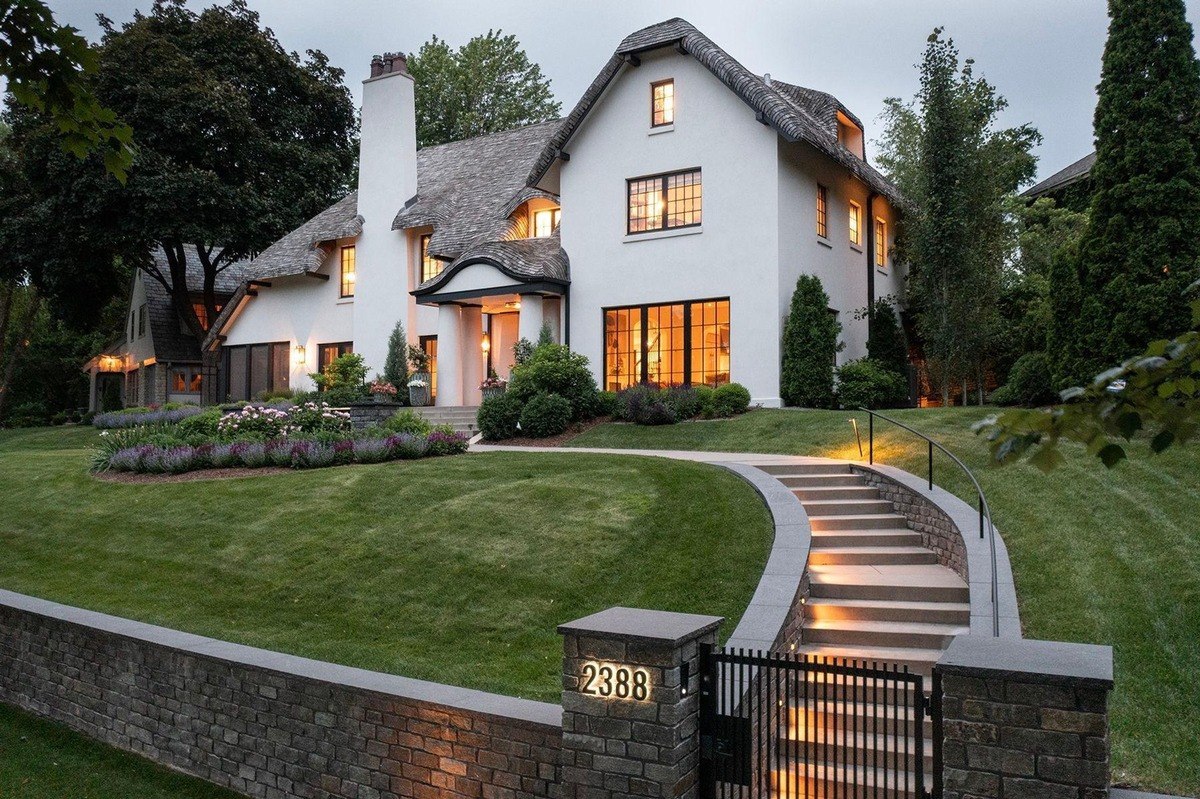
{"x": 658, "y": 229}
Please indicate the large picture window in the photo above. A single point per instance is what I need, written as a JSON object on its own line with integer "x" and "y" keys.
{"x": 663, "y": 202}
{"x": 667, "y": 345}
{"x": 251, "y": 369}
{"x": 349, "y": 271}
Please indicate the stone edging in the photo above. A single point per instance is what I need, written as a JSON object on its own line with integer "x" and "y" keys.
{"x": 450, "y": 697}
{"x": 977, "y": 551}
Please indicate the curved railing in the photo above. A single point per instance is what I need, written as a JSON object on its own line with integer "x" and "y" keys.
{"x": 985, "y": 512}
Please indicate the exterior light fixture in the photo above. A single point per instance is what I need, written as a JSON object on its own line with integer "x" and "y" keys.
{"x": 300, "y": 357}
{"x": 485, "y": 343}
{"x": 857, "y": 436}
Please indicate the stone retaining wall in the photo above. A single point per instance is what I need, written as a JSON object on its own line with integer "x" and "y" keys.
{"x": 367, "y": 414}
{"x": 938, "y": 531}
{"x": 267, "y": 724}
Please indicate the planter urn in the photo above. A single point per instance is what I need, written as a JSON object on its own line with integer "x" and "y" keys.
{"x": 418, "y": 396}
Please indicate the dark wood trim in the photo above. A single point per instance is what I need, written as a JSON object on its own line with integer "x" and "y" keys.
{"x": 654, "y": 85}
{"x": 632, "y": 60}
{"x": 541, "y": 287}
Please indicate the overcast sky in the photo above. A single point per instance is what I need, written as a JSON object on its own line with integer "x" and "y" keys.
{"x": 1043, "y": 55}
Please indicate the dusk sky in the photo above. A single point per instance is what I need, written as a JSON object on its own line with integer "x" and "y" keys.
{"x": 1043, "y": 55}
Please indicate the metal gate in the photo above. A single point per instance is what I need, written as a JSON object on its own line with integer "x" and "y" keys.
{"x": 791, "y": 727}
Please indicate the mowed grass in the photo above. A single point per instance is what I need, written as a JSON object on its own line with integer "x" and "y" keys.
{"x": 456, "y": 570}
{"x": 41, "y": 760}
{"x": 1100, "y": 556}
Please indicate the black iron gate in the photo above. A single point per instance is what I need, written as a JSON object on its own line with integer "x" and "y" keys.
{"x": 791, "y": 727}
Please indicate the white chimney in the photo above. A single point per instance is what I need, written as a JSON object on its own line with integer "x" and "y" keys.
{"x": 387, "y": 179}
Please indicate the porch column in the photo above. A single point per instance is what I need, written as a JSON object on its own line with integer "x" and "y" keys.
{"x": 472, "y": 354}
{"x": 529, "y": 326}
{"x": 449, "y": 362}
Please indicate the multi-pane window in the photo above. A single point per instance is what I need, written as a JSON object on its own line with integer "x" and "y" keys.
{"x": 328, "y": 353}
{"x": 667, "y": 345}
{"x": 201, "y": 311}
{"x": 429, "y": 345}
{"x": 855, "y": 224}
{"x": 662, "y": 103}
{"x": 662, "y": 202}
{"x": 186, "y": 380}
{"x": 545, "y": 221}
{"x": 881, "y": 243}
{"x": 348, "y": 271}
{"x": 252, "y": 369}
{"x": 822, "y": 211}
{"x": 430, "y": 267}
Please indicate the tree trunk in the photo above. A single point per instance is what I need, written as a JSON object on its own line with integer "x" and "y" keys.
{"x": 965, "y": 393}
{"x": 979, "y": 385}
{"x": 9, "y": 364}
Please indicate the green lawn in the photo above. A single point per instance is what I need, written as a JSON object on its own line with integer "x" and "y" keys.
{"x": 40, "y": 760}
{"x": 449, "y": 569}
{"x": 1099, "y": 556}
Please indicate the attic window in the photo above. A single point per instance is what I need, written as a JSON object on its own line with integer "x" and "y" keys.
{"x": 662, "y": 103}
{"x": 430, "y": 267}
{"x": 349, "y": 271}
{"x": 849, "y": 134}
{"x": 545, "y": 221}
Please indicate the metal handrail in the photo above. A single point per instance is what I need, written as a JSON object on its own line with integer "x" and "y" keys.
{"x": 985, "y": 512}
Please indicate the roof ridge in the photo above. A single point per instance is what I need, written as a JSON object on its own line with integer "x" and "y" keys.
{"x": 557, "y": 121}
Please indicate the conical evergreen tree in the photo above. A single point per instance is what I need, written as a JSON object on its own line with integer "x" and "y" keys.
{"x": 810, "y": 342}
{"x": 1142, "y": 245}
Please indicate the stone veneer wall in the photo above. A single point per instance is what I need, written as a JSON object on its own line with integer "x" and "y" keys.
{"x": 266, "y": 724}
{"x": 938, "y": 531}
{"x": 367, "y": 414}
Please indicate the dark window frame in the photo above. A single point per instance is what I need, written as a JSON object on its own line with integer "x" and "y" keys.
{"x": 344, "y": 348}
{"x": 342, "y": 293}
{"x": 822, "y": 211}
{"x": 856, "y": 211}
{"x": 422, "y": 341}
{"x": 189, "y": 373}
{"x": 663, "y": 177}
{"x": 879, "y": 231}
{"x": 654, "y": 86}
{"x": 227, "y": 353}
{"x": 643, "y": 345}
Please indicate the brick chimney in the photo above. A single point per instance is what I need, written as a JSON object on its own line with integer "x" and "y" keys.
{"x": 388, "y": 63}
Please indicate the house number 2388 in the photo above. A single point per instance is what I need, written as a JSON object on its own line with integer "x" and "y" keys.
{"x": 615, "y": 680}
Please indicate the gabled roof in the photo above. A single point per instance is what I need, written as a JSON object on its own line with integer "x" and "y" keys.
{"x": 525, "y": 260}
{"x": 788, "y": 111}
{"x": 1063, "y": 178}
{"x": 171, "y": 343}
{"x": 299, "y": 252}
{"x": 467, "y": 189}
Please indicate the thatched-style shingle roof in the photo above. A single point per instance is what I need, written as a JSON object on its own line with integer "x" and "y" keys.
{"x": 789, "y": 110}
{"x": 525, "y": 260}
{"x": 171, "y": 343}
{"x": 300, "y": 251}
{"x": 1067, "y": 176}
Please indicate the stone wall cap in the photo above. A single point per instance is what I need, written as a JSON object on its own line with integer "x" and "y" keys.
{"x": 1049, "y": 661}
{"x": 635, "y": 624}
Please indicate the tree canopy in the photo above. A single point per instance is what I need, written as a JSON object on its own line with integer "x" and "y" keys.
{"x": 487, "y": 85}
{"x": 949, "y": 158}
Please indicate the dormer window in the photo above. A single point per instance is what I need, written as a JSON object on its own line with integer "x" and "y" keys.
{"x": 662, "y": 103}
{"x": 430, "y": 267}
{"x": 545, "y": 221}
{"x": 849, "y": 134}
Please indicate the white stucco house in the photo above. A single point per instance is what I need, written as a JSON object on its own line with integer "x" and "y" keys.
{"x": 658, "y": 229}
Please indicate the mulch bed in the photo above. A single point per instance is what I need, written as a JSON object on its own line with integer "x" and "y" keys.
{"x": 552, "y": 441}
{"x": 187, "y": 477}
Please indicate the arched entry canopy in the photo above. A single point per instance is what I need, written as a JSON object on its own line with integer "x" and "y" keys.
{"x": 490, "y": 297}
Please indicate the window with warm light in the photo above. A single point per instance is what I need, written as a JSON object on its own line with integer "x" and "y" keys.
{"x": 545, "y": 221}
{"x": 822, "y": 211}
{"x": 881, "y": 243}
{"x": 348, "y": 271}
{"x": 664, "y": 202}
{"x": 186, "y": 380}
{"x": 662, "y": 103}
{"x": 667, "y": 345}
{"x": 430, "y": 267}
{"x": 429, "y": 345}
{"x": 855, "y": 224}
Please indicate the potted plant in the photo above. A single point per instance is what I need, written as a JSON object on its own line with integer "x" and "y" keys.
{"x": 382, "y": 390}
{"x": 419, "y": 380}
{"x": 493, "y": 386}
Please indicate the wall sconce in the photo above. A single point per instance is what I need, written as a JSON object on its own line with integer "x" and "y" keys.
{"x": 485, "y": 344}
{"x": 300, "y": 356}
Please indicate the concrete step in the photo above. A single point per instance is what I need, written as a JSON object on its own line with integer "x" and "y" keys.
{"x": 923, "y": 583}
{"x": 799, "y": 780}
{"x": 820, "y": 493}
{"x": 883, "y": 556}
{"x": 805, "y": 469}
{"x": 795, "y": 481}
{"x": 819, "y": 742}
{"x": 872, "y": 633}
{"x": 918, "y": 661}
{"x": 858, "y": 521}
{"x": 847, "y": 507}
{"x": 866, "y": 538}
{"x": 819, "y": 609}
{"x": 859, "y": 714}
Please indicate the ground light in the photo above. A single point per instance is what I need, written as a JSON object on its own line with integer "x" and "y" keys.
{"x": 857, "y": 435}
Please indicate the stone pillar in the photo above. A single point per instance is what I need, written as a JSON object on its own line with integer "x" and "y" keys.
{"x": 449, "y": 365}
{"x": 1024, "y": 719}
{"x": 530, "y": 323}
{"x": 631, "y": 703}
{"x": 472, "y": 354}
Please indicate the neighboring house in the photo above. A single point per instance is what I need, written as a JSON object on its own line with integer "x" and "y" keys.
{"x": 658, "y": 229}
{"x": 1071, "y": 186}
{"x": 158, "y": 359}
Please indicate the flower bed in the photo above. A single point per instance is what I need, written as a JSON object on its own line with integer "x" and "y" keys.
{"x": 138, "y": 417}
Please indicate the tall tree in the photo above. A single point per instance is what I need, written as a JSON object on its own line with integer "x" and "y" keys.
{"x": 1140, "y": 250}
{"x": 45, "y": 64}
{"x": 487, "y": 85}
{"x": 949, "y": 158}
